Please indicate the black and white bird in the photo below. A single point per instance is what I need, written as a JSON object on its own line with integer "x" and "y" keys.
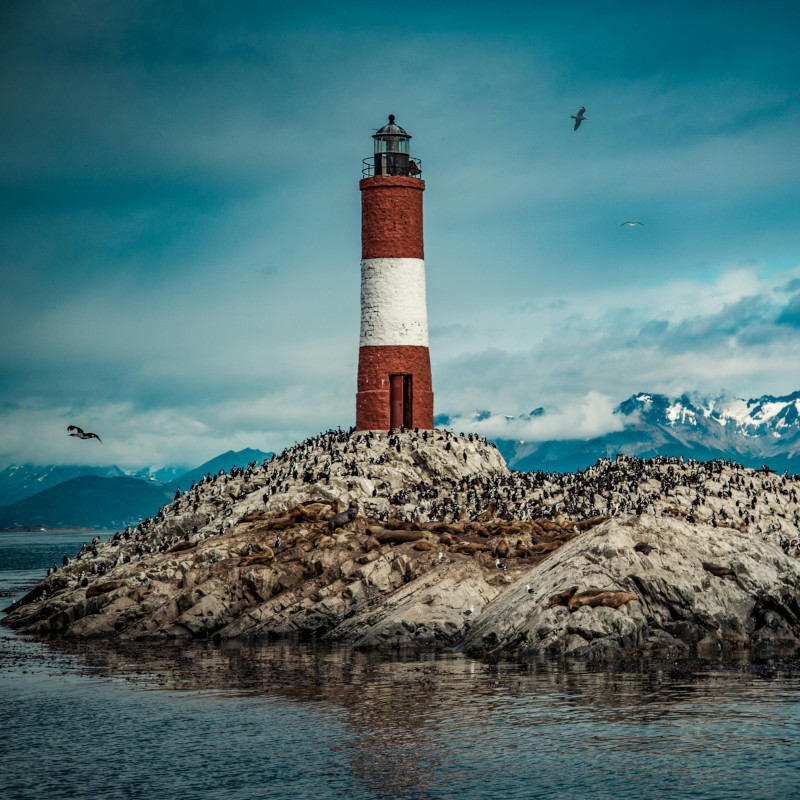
{"x": 469, "y": 612}
{"x": 579, "y": 117}
{"x": 151, "y": 479}
{"x": 74, "y": 430}
{"x": 529, "y": 589}
{"x": 631, "y": 224}
{"x": 499, "y": 564}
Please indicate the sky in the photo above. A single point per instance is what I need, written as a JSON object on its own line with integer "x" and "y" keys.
{"x": 180, "y": 226}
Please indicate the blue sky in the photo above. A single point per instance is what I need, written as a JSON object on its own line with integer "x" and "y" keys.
{"x": 181, "y": 221}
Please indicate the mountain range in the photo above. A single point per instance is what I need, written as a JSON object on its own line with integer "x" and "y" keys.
{"x": 765, "y": 430}
{"x": 99, "y": 497}
{"x": 756, "y": 432}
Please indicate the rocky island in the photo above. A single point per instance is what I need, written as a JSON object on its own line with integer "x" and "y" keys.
{"x": 426, "y": 539}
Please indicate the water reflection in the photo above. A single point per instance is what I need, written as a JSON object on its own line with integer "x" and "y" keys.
{"x": 416, "y": 725}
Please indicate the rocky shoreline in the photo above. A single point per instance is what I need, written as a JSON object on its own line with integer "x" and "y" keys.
{"x": 448, "y": 548}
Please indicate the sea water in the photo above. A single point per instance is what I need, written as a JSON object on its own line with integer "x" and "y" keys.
{"x": 273, "y": 720}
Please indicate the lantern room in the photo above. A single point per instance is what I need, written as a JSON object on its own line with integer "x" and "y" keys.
{"x": 391, "y": 153}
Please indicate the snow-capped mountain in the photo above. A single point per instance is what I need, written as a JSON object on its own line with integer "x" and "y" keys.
{"x": 765, "y": 430}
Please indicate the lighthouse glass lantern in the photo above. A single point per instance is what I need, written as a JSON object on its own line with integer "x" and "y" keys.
{"x": 391, "y": 149}
{"x": 394, "y": 370}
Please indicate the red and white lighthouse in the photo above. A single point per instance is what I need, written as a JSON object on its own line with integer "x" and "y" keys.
{"x": 394, "y": 366}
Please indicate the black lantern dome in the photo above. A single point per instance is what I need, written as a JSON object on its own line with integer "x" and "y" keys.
{"x": 391, "y": 152}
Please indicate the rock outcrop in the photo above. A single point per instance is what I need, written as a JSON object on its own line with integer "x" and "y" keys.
{"x": 649, "y": 584}
{"x": 447, "y": 548}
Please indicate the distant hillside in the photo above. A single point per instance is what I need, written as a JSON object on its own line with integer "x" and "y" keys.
{"x": 102, "y": 497}
{"x": 765, "y": 430}
{"x": 225, "y": 462}
{"x": 19, "y": 481}
{"x": 89, "y": 501}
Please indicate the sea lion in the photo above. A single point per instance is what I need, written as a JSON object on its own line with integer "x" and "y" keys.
{"x": 177, "y": 548}
{"x": 264, "y": 558}
{"x": 562, "y": 598}
{"x": 423, "y": 544}
{"x": 600, "y": 597}
{"x": 343, "y": 517}
{"x": 397, "y": 537}
{"x": 103, "y": 588}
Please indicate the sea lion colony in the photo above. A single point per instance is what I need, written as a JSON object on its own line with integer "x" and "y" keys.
{"x": 265, "y": 536}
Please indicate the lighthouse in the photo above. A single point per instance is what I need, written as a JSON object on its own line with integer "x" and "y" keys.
{"x": 394, "y": 366}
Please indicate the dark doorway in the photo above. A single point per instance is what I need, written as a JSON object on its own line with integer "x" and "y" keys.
{"x": 400, "y": 408}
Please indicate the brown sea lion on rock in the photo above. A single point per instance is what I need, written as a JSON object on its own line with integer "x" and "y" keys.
{"x": 343, "y": 517}
{"x": 468, "y": 547}
{"x": 397, "y": 537}
{"x": 548, "y": 525}
{"x": 546, "y": 547}
{"x": 177, "y": 548}
{"x": 586, "y": 524}
{"x": 562, "y": 598}
{"x": 600, "y": 597}
{"x": 103, "y": 588}
{"x": 267, "y": 556}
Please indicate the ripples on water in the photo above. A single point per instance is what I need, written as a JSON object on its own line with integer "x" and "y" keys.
{"x": 248, "y": 720}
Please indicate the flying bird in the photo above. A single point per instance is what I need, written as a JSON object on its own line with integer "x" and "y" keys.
{"x": 74, "y": 430}
{"x": 151, "y": 479}
{"x": 631, "y": 224}
{"x": 578, "y": 118}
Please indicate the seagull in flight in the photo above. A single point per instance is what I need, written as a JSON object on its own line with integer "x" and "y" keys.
{"x": 631, "y": 224}
{"x": 74, "y": 430}
{"x": 579, "y": 118}
{"x": 151, "y": 479}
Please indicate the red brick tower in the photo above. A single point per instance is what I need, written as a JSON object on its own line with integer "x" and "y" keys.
{"x": 394, "y": 366}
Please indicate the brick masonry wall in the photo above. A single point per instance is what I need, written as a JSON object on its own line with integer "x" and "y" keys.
{"x": 391, "y": 217}
{"x": 375, "y": 365}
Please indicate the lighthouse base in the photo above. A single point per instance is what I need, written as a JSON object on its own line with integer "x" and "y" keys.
{"x": 394, "y": 388}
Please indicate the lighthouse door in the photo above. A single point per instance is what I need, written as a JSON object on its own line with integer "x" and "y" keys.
{"x": 400, "y": 401}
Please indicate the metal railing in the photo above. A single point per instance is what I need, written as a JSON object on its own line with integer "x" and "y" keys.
{"x": 414, "y": 168}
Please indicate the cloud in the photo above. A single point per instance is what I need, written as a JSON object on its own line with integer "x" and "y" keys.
{"x": 584, "y": 418}
{"x": 180, "y": 214}
{"x": 727, "y": 335}
{"x": 790, "y": 314}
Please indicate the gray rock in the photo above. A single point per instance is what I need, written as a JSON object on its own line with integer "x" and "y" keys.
{"x": 678, "y": 605}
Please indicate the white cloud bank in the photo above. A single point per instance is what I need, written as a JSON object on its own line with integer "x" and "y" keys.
{"x": 584, "y": 418}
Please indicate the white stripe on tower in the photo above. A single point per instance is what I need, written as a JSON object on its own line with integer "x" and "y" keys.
{"x": 393, "y": 308}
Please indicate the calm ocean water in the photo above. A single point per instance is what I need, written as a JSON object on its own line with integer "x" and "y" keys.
{"x": 280, "y": 721}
